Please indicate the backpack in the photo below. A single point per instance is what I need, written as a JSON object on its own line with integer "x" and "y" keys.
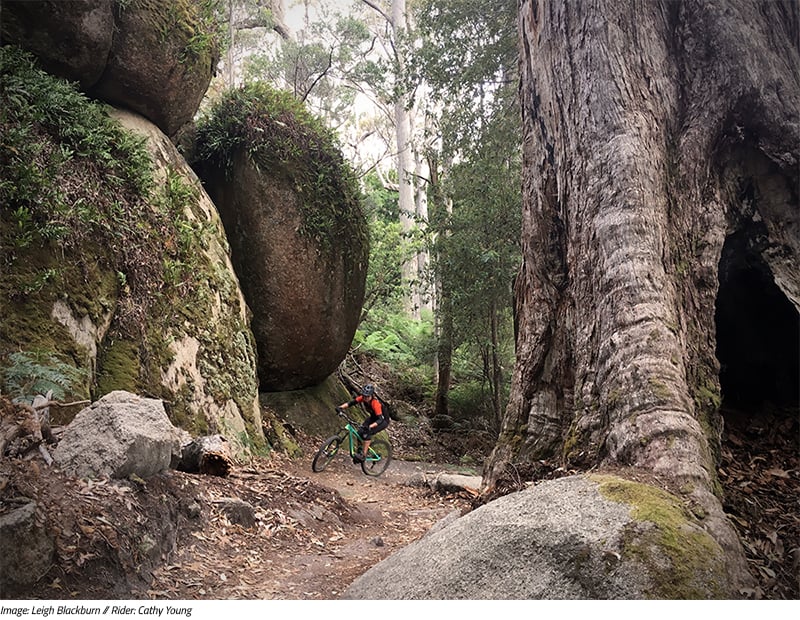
{"x": 387, "y": 408}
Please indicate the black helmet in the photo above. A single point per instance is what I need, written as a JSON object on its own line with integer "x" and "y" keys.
{"x": 369, "y": 390}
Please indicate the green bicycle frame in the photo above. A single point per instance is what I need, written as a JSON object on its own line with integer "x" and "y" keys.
{"x": 354, "y": 440}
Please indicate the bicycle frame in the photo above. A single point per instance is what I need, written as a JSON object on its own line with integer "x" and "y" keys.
{"x": 353, "y": 439}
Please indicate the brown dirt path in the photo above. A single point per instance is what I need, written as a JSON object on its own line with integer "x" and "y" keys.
{"x": 316, "y": 534}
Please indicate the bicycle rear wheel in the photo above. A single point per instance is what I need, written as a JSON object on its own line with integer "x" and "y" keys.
{"x": 325, "y": 454}
{"x": 378, "y": 458}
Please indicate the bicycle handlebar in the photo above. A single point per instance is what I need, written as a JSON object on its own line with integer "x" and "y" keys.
{"x": 342, "y": 414}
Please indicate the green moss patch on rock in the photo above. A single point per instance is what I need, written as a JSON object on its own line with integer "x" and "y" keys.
{"x": 312, "y": 410}
{"x": 281, "y": 136}
{"x": 108, "y": 258}
{"x": 684, "y": 561}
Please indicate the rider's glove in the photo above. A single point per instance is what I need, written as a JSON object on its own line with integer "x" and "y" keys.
{"x": 339, "y": 410}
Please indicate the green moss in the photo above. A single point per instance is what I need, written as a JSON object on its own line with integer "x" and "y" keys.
{"x": 192, "y": 24}
{"x": 311, "y": 410}
{"x": 572, "y": 442}
{"x": 660, "y": 389}
{"x": 694, "y": 567}
{"x": 281, "y": 137}
{"x": 85, "y": 223}
{"x": 278, "y": 436}
{"x": 118, "y": 365}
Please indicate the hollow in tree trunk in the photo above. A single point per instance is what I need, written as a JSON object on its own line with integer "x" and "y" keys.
{"x": 661, "y": 148}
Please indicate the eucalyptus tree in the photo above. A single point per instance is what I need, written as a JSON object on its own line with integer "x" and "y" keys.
{"x": 247, "y": 22}
{"x": 661, "y": 254}
{"x": 393, "y": 20}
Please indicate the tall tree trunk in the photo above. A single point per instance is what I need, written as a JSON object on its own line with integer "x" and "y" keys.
{"x": 421, "y": 172}
{"x": 440, "y": 209}
{"x": 496, "y": 369}
{"x": 405, "y": 167}
{"x": 444, "y": 353}
{"x": 652, "y": 131}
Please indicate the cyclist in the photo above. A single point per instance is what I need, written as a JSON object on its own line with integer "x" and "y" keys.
{"x": 374, "y": 424}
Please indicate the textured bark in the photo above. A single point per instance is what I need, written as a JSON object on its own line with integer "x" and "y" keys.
{"x": 653, "y": 132}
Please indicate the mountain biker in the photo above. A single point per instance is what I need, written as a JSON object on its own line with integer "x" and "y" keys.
{"x": 374, "y": 424}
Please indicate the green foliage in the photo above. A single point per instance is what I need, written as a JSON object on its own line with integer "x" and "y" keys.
{"x": 324, "y": 66}
{"x": 467, "y": 55}
{"x": 406, "y": 344}
{"x": 389, "y": 249}
{"x": 28, "y": 373}
{"x": 398, "y": 339}
{"x": 281, "y": 136}
{"x": 69, "y": 174}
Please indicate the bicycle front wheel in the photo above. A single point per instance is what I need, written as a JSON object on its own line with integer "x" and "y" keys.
{"x": 378, "y": 458}
{"x": 325, "y": 454}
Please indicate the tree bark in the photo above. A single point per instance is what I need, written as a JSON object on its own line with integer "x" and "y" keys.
{"x": 644, "y": 124}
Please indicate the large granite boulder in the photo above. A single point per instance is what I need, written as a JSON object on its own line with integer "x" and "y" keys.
{"x": 71, "y": 39}
{"x": 161, "y": 61}
{"x": 115, "y": 265}
{"x": 154, "y": 57}
{"x": 210, "y": 361}
{"x": 120, "y": 435}
{"x": 298, "y": 239}
{"x": 579, "y": 537}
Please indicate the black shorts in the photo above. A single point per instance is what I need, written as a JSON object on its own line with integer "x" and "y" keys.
{"x": 368, "y": 433}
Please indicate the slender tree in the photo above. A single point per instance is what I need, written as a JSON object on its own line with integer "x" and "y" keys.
{"x": 467, "y": 57}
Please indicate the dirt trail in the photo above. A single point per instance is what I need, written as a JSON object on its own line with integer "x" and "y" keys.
{"x": 336, "y": 525}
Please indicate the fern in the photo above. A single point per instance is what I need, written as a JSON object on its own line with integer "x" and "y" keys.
{"x": 29, "y": 373}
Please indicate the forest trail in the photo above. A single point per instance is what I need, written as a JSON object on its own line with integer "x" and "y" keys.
{"x": 317, "y": 531}
{"x": 311, "y": 534}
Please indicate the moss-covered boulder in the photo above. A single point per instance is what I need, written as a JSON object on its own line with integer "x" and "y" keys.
{"x": 310, "y": 410}
{"x": 292, "y": 213}
{"x": 155, "y": 57}
{"x": 578, "y": 537}
{"x": 115, "y": 268}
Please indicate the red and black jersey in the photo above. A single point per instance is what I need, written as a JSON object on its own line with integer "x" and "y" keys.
{"x": 374, "y": 407}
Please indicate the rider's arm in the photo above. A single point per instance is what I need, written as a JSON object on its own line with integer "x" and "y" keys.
{"x": 356, "y": 400}
{"x": 377, "y": 410}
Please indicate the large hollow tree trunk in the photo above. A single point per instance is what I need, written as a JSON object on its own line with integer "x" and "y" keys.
{"x": 653, "y": 132}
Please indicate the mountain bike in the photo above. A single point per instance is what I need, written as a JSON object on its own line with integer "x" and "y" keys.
{"x": 378, "y": 456}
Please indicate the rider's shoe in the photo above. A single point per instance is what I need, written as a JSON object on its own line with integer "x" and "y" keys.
{"x": 358, "y": 458}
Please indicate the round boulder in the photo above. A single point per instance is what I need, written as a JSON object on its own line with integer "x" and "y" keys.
{"x": 161, "y": 61}
{"x": 71, "y": 39}
{"x": 292, "y": 215}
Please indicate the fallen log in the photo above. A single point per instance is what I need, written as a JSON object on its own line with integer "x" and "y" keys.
{"x": 209, "y": 455}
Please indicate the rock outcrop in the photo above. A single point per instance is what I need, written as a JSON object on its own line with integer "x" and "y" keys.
{"x": 116, "y": 264}
{"x": 71, "y": 39}
{"x": 25, "y": 548}
{"x": 155, "y": 58}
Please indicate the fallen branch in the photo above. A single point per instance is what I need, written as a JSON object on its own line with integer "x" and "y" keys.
{"x": 55, "y": 403}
